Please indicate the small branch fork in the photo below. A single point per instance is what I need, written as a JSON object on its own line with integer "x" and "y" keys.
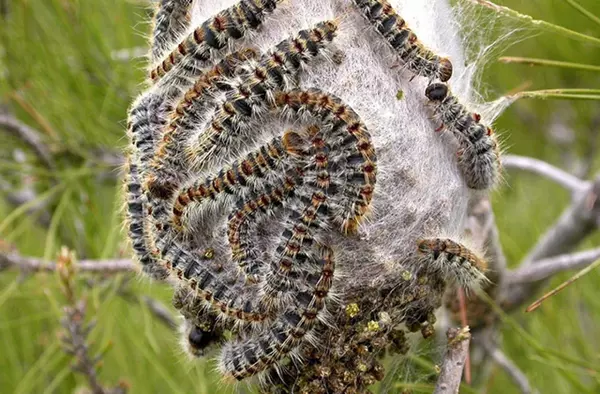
{"x": 454, "y": 361}
{"x": 553, "y": 252}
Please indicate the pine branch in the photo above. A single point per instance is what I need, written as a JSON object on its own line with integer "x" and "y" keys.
{"x": 517, "y": 376}
{"x": 454, "y": 361}
{"x": 546, "y": 268}
{"x": 32, "y": 264}
{"x": 576, "y": 223}
{"x": 29, "y": 136}
{"x": 548, "y": 171}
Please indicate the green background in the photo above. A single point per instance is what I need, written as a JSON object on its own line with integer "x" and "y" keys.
{"x": 57, "y": 75}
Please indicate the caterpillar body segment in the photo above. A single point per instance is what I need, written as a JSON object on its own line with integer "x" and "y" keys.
{"x": 171, "y": 19}
{"x": 455, "y": 260}
{"x": 298, "y": 250}
{"x": 146, "y": 117}
{"x": 252, "y": 97}
{"x": 479, "y": 154}
{"x": 214, "y": 34}
{"x": 416, "y": 57}
{"x": 244, "y": 358}
{"x": 169, "y": 166}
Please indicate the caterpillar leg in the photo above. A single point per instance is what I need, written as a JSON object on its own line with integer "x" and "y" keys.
{"x": 453, "y": 261}
{"x": 479, "y": 153}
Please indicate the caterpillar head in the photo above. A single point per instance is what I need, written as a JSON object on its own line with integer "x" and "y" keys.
{"x": 436, "y": 91}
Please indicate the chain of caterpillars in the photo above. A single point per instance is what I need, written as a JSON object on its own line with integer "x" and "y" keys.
{"x": 318, "y": 179}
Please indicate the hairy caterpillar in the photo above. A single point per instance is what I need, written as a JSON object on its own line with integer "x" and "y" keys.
{"x": 214, "y": 34}
{"x": 168, "y": 165}
{"x": 454, "y": 259}
{"x": 417, "y": 57}
{"x": 149, "y": 113}
{"x": 170, "y": 20}
{"x": 479, "y": 157}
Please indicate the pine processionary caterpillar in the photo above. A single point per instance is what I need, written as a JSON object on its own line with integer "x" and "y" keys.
{"x": 417, "y": 57}
{"x": 243, "y": 221}
{"x": 454, "y": 260}
{"x": 304, "y": 300}
{"x": 170, "y": 21}
{"x": 136, "y": 218}
{"x": 361, "y": 170}
{"x": 214, "y": 34}
{"x": 479, "y": 157}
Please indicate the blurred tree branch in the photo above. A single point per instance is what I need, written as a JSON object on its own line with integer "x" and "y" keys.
{"x": 563, "y": 178}
{"x": 29, "y": 136}
{"x": 517, "y": 376}
{"x": 577, "y": 222}
{"x": 32, "y": 264}
{"x": 545, "y": 268}
{"x": 76, "y": 331}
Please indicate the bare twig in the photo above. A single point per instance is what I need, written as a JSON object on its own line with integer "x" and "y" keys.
{"x": 511, "y": 369}
{"x": 29, "y": 136}
{"x": 563, "y": 178}
{"x": 454, "y": 361}
{"x": 32, "y": 264}
{"x": 544, "y": 269}
{"x": 157, "y": 308}
{"x": 76, "y": 331}
{"x": 464, "y": 322}
{"x": 483, "y": 230}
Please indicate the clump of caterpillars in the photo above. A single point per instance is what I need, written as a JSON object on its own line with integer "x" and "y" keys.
{"x": 274, "y": 291}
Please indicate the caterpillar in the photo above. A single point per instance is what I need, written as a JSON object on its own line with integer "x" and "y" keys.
{"x": 453, "y": 259}
{"x": 149, "y": 113}
{"x": 416, "y": 57}
{"x": 214, "y": 34}
{"x": 479, "y": 157}
{"x": 170, "y": 20}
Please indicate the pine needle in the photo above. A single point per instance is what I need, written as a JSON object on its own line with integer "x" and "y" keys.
{"x": 578, "y": 275}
